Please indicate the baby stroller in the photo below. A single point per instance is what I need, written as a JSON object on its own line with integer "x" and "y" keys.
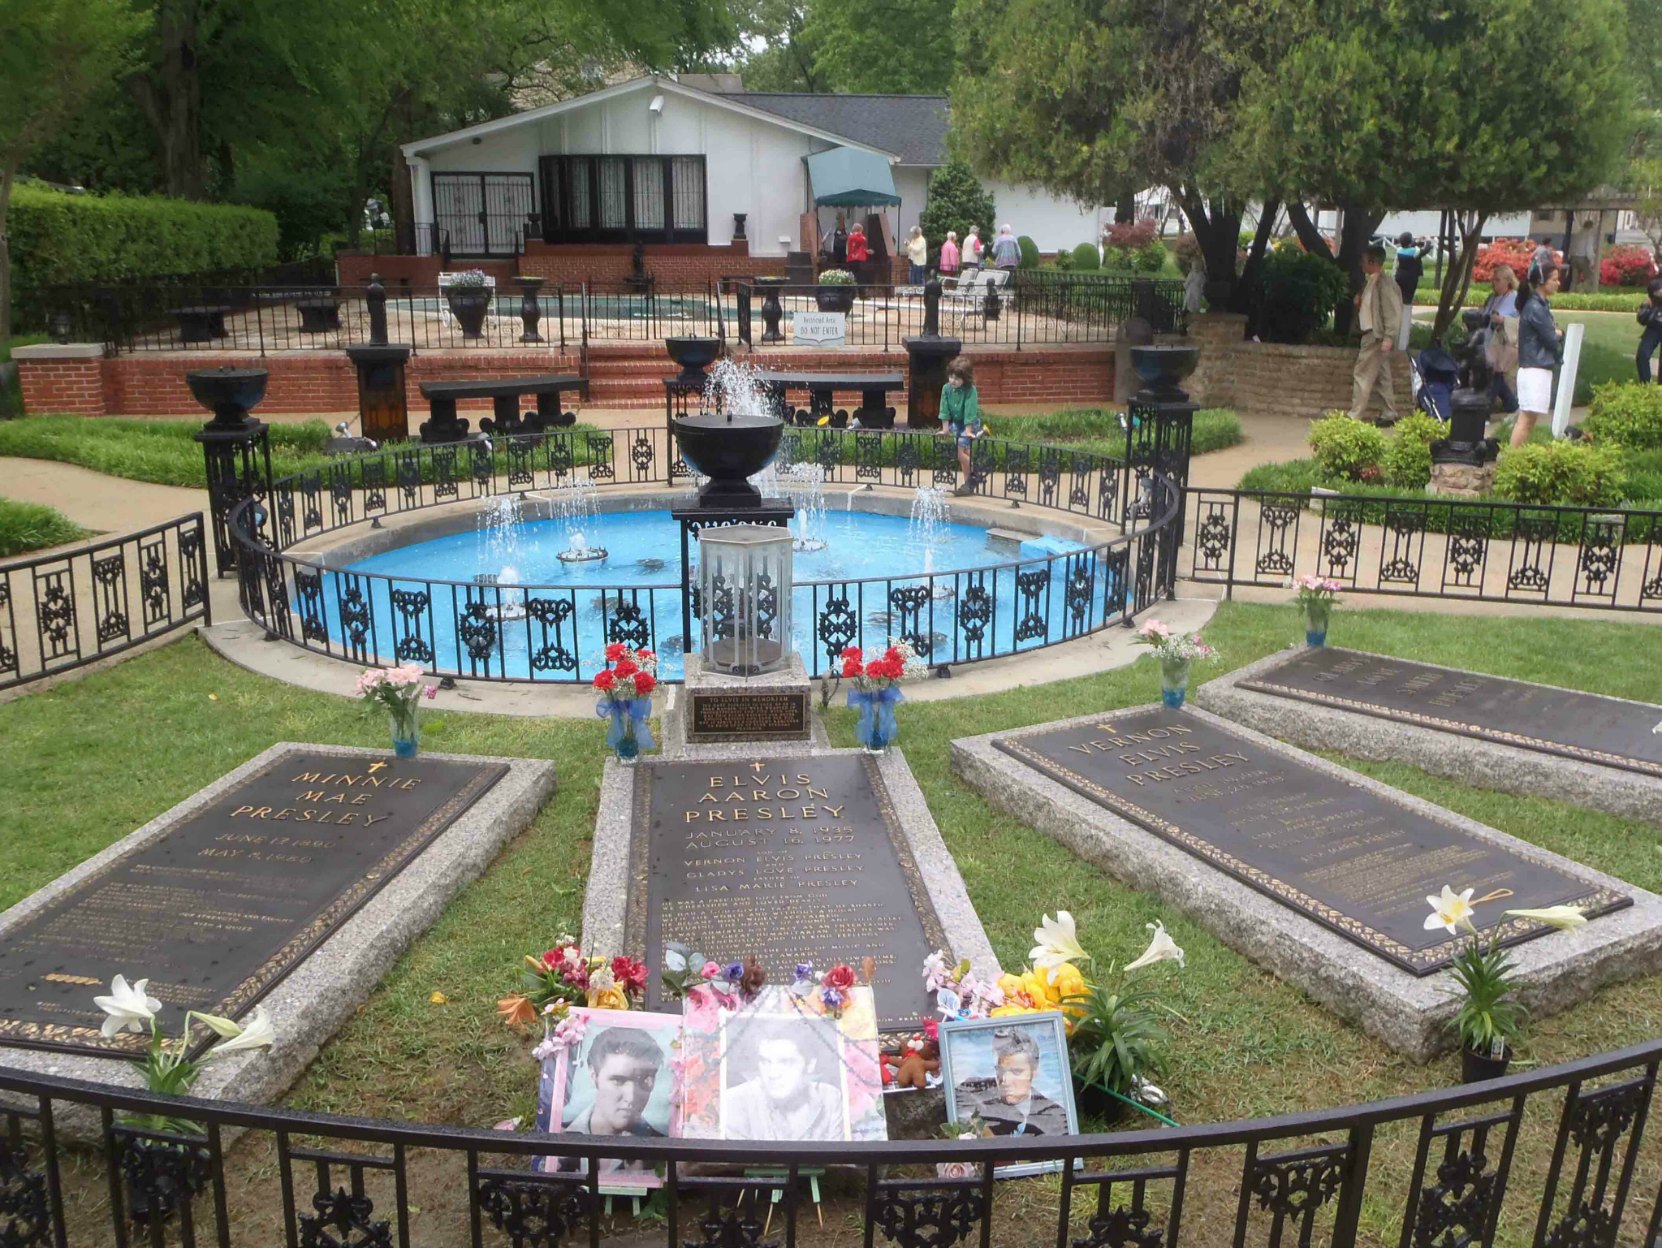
{"x": 1434, "y": 374}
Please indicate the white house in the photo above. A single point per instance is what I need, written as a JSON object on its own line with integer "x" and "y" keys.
{"x": 659, "y": 161}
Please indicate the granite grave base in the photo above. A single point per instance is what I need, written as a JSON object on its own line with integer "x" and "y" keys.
{"x": 325, "y": 988}
{"x": 1283, "y": 928}
{"x": 810, "y": 869}
{"x": 1276, "y": 696}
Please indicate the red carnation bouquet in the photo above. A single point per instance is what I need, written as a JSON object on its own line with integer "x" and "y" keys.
{"x": 876, "y": 691}
{"x": 625, "y": 688}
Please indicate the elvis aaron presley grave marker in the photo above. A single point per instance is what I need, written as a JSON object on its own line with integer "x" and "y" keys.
{"x": 229, "y": 899}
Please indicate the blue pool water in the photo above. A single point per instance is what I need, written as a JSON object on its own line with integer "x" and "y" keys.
{"x": 572, "y": 606}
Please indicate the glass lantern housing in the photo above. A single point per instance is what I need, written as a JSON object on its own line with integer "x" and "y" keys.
{"x": 744, "y": 598}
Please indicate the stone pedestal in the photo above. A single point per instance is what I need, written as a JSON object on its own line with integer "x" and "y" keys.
{"x": 927, "y": 359}
{"x": 775, "y": 706}
{"x": 1462, "y": 480}
{"x": 383, "y": 408}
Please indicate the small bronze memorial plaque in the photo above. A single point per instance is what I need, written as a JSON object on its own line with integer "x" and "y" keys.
{"x": 749, "y": 716}
{"x": 792, "y": 859}
{"x": 1340, "y": 854}
{"x": 1565, "y": 722}
{"x": 224, "y": 903}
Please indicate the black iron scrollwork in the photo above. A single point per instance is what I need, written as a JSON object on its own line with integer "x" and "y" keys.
{"x": 531, "y": 1213}
{"x": 343, "y": 1219}
{"x": 929, "y": 1217}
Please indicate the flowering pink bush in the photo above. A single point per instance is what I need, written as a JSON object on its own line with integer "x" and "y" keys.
{"x": 1512, "y": 251}
{"x": 1627, "y": 266}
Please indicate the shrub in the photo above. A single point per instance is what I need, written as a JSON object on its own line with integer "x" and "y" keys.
{"x": 56, "y": 237}
{"x": 956, "y": 201}
{"x": 1299, "y": 292}
{"x": 1085, "y": 258}
{"x": 1344, "y": 448}
{"x": 1578, "y": 474}
{"x": 1150, "y": 258}
{"x": 1513, "y": 251}
{"x": 1628, "y": 413}
{"x": 1130, "y": 235}
{"x": 33, "y": 526}
{"x": 836, "y": 277}
{"x": 1627, "y": 266}
{"x": 1030, "y": 257}
{"x": 1407, "y": 460}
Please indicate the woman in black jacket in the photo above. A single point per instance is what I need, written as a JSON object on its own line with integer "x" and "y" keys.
{"x": 1540, "y": 350}
{"x": 1650, "y": 316}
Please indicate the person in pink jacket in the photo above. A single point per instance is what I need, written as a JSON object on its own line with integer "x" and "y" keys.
{"x": 949, "y": 255}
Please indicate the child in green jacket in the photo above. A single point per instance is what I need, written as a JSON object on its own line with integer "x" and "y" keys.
{"x": 961, "y": 415}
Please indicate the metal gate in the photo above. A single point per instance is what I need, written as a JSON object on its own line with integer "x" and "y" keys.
{"x": 484, "y": 212}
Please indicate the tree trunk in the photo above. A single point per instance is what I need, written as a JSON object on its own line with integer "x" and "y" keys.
{"x": 1125, "y": 208}
{"x": 1457, "y": 279}
{"x": 1217, "y": 227}
{"x": 1255, "y": 261}
{"x": 401, "y": 203}
{"x": 170, "y": 96}
{"x": 7, "y": 173}
{"x": 1358, "y": 227}
{"x": 1304, "y": 229}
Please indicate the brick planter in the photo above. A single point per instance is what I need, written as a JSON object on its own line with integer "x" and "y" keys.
{"x": 1273, "y": 378}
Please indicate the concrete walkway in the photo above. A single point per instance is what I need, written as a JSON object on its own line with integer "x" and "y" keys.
{"x": 101, "y": 503}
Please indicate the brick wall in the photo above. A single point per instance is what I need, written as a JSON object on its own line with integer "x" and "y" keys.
{"x": 1273, "y": 378}
{"x": 61, "y": 379}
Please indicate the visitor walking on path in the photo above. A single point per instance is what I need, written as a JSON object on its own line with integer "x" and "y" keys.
{"x": 1410, "y": 267}
{"x": 949, "y": 255}
{"x": 1584, "y": 255}
{"x": 1650, "y": 316}
{"x": 1501, "y": 316}
{"x": 859, "y": 249}
{"x": 917, "y": 256}
{"x": 1544, "y": 255}
{"x": 973, "y": 248}
{"x": 1379, "y": 314}
{"x": 1540, "y": 350}
{"x": 1006, "y": 251}
{"x": 961, "y": 415}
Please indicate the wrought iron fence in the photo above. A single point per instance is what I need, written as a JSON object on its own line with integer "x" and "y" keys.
{"x": 484, "y": 630}
{"x": 1429, "y": 548}
{"x": 1557, "y": 1156}
{"x": 61, "y": 611}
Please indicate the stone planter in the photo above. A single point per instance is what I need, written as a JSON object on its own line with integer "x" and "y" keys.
{"x": 468, "y": 304}
{"x": 834, "y": 298}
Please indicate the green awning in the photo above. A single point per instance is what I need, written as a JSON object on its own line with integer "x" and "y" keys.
{"x": 846, "y": 177}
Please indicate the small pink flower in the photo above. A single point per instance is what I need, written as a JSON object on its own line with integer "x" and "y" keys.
{"x": 711, "y": 970}
{"x": 432, "y": 692}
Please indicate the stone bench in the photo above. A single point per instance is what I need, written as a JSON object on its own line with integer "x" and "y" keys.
{"x": 443, "y": 425}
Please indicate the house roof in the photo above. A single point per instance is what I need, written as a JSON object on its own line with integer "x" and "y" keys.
{"x": 741, "y": 104}
{"x": 912, "y": 126}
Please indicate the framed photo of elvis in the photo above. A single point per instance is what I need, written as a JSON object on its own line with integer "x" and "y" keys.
{"x": 1012, "y": 1072}
{"x": 618, "y": 1080}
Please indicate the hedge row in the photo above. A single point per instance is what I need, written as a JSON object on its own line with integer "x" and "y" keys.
{"x": 57, "y": 237}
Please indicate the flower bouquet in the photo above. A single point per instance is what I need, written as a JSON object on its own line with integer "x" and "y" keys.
{"x": 1175, "y": 652}
{"x": 1316, "y": 596}
{"x": 625, "y": 690}
{"x": 564, "y": 976}
{"x": 400, "y": 690}
{"x": 876, "y": 691}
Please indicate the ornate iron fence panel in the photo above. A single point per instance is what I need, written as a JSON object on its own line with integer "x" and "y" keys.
{"x": 1428, "y": 548}
{"x": 61, "y": 611}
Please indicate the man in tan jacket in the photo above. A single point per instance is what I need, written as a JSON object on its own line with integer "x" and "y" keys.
{"x": 1379, "y": 315}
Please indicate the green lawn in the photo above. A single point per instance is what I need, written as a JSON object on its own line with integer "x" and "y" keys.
{"x": 131, "y": 741}
{"x": 1607, "y": 349}
{"x": 1098, "y": 432}
{"x": 162, "y": 451}
{"x": 34, "y": 526}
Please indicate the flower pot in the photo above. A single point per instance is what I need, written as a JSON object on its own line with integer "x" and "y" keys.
{"x": 1096, "y": 1101}
{"x": 1315, "y": 623}
{"x": 406, "y": 733}
{"x": 1174, "y": 682}
{"x": 469, "y": 304}
{"x": 162, "y": 1175}
{"x": 834, "y": 298}
{"x": 1476, "y": 1067}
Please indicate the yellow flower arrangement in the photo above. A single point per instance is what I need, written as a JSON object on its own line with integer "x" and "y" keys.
{"x": 610, "y": 997}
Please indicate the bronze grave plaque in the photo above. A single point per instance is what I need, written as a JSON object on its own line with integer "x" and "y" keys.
{"x": 748, "y": 716}
{"x": 793, "y": 859}
{"x": 1348, "y": 857}
{"x": 220, "y": 906}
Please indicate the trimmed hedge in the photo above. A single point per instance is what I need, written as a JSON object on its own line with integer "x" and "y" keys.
{"x": 58, "y": 238}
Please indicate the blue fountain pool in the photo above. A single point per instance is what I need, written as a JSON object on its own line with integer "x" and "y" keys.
{"x": 422, "y": 602}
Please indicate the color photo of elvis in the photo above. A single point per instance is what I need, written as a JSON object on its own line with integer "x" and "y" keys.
{"x": 619, "y": 1069}
{"x": 1008, "y": 1102}
{"x": 782, "y": 1079}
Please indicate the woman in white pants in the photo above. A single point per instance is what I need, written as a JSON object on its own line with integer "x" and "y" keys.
{"x": 1540, "y": 349}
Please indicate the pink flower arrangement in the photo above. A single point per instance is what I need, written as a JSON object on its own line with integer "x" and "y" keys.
{"x": 1169, "y": 645}
{"x": 1316, "y": 589}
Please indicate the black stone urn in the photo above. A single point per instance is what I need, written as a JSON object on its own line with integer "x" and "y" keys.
{"x": 835, "y": 298}
{"x": 469, "y": 304}
{"x": 1160, "y": 369}
{"x": 694, "y": 355}
{"x": 728, "y": 449}
{"x": 228, "y": 393}
{"x": 530, "y": 310}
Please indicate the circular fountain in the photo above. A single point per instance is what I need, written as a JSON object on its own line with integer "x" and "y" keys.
{"x": 694, "y": 355}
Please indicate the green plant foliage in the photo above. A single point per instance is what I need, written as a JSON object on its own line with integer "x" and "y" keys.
{"x": 1085, "y": 258}
{"x": 56, "y": 237}
{"x": 1116, "y": 1037}
{"x": 33, "y": 526}
{"x": 1407, "y": 459}
{"x": 1300, "y": 291}
{"x": 1030, "y": 257}
{"x": 956, "y": 201}
{"x": 1626, "y": 413}
{"x": 1578, "y": 474}
{"x": 1485, "y": 1014}
{"x": 1344, "y": 448}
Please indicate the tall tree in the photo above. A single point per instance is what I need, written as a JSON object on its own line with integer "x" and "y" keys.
{"x": 53, "y": 57}
{"x": 1099, "y": 99}
{"x": 882, "y": 46}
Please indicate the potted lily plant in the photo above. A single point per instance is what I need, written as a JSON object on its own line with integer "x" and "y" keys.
{"x": 1316, "y": 598}
{"x": 1175, "y": 651}
{"x": 469, "y": 296}
{"x": 1489, "y": 1017}
{"x": 836, "y": 291}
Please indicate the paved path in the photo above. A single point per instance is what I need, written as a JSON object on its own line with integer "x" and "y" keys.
{"x": 94, "y": 500}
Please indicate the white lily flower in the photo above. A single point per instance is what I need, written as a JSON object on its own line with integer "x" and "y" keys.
{"x": 224, "y": 1028}
{"x": 1161, "y": 949}
{"x": 258, "y": 1034}
{"x": 1564, "y": 918}
{"x": 1057, "y": 942}
{"x": 128, "y": 1008}
{"x": 1450, "y": 910}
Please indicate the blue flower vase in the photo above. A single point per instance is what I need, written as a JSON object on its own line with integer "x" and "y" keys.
{"x": 406, "y": 735}
{"x": 1315, "y": 625}
{"x": 1174, "y": 682}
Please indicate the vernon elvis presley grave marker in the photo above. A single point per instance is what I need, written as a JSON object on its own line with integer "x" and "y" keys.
{"x": 1345, "y": 856}
{"x": 218, "y": 908}
{"x": 1564, "y": 722}
{"x": 796, "y": 859}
